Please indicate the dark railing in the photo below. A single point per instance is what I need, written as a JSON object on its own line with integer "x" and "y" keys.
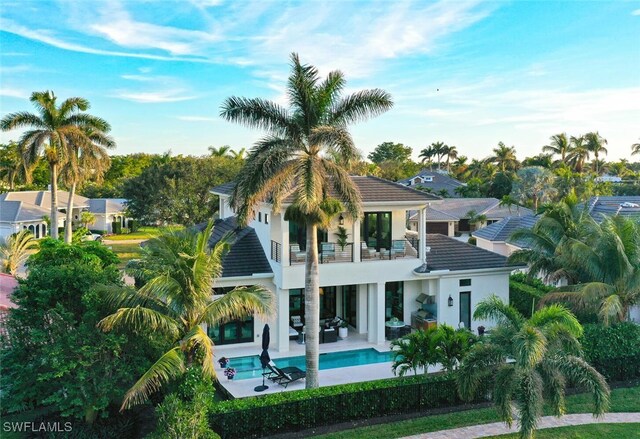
{"x": 276, "y": 251}
{"x": 328, "y": 252}
{"x": 400, "y": 249}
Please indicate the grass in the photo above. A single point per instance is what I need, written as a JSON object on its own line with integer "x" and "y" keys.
{"x": 147, "y": 232}
{"x": 622, "y": 400}
{"x": 126, "y": 251}
{"x": 592, "y": 431}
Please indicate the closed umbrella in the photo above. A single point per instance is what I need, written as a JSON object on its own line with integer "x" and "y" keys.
{"x": 264, "y": 356}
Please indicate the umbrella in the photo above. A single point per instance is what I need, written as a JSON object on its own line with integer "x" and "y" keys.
{"x": 264, "y": 356}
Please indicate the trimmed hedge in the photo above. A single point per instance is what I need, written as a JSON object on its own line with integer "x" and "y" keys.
{"x": 524, "y": 292}
{"x": 134, "y": 225}
{"x": 295, "y": 411}
{"x": 116, "y": 227}
{"x": 613, "y": 350}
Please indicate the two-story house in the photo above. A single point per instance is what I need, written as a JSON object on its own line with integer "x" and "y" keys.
{"x": 383, "y": 271}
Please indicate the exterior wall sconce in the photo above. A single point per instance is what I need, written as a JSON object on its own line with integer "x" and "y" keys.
{"x": 341, "y": 220}
{"x": 450, "y": 300}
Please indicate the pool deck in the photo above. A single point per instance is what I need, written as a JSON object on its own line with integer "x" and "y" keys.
{"x": 328, "y": 377}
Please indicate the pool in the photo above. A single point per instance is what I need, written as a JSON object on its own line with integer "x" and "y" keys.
{"x": 250, "y": 367}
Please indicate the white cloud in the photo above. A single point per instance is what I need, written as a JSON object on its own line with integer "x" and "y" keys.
{"x": 154, "y": 97}
{"x": 636, "y": 12}
{"x": 13, "y": 93}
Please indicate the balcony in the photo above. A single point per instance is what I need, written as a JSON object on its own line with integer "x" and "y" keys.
{"x": 331, "y": 252}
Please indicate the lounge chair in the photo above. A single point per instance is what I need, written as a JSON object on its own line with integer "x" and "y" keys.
{"x": 296, "y": 322}
{"x": 366, "y": 252}
{"x": 289, "y": 375}
{"x": 398, "y": 249}
{"x": 295, "y": 254}
{"x": 327, "y": 251}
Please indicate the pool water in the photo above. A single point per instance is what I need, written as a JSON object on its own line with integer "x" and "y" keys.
{"x": 250, "y": 367}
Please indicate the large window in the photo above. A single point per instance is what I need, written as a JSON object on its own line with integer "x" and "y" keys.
{"x": 327, "y": 302}
{"x": 238, "y": 331}
{"x": 298, "y": 235}
{"x": 394, "y": 300}
{"x": 349, "y": 303}
{"x": 465, "y": 308}
{"x": 376, "y": 230}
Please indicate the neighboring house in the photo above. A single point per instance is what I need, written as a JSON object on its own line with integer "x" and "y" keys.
{"x": 450, "y": 216}
{"x": 606, "y": 178}
{"x": 8, "y": 283}
{"x": 497, "y": 236}
{"x": 42, "y": 199}
{"x": 436, "y": 182}
{"x": 380, "y": 274}
{"x": 624, "y": 205}
{"x": 107, "y": 211}
{"x": 16, "y": 216}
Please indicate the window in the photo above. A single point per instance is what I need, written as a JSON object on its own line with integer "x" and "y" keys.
{"x": 465, "y": 309}
{"x": 394, "y": 300}
{"x": 238, "y": 331}
{"x": 266, "y": 218}
{"x": 259, "y": 217}
{"x": 376, "y": 230}
{"x": 465, "y": 282}
{"x": 427, "y": 178}
{"x": 298, "y": 235}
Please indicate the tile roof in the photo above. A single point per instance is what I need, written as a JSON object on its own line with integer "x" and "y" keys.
{"x": 439, "y": 182}
{"x": 503, "y": 229}
{"x": 610, "y": 206}
{"x": 246, "y": 256}
{"x": 18, "y": 211}
{"x": 372, "y": 190}
{"x": 107, "y": 205}
{"x": 450, "y": 254}
{"x": 43, "y": 198}
{"x": 458, "y": 208}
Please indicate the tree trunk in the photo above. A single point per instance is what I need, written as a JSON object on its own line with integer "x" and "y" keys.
{"x": 312, "y": 308}
{"x": 54, "y": 201}
{"x": 68, "y": 227}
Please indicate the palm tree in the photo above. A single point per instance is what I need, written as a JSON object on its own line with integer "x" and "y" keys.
{"x": 177, "y": 301}
{"x": 15, "y": 250}
{"x": 559, "y": 145}
{"x": 439, "y": 150}
{"x": 452, "y": 345}
{"x": 475, "y": 219}
{"x": 12, "y": 165}
{"x": 417, "y": 350}
{"x": 219, "y": 152}
{"x": 291, "y": 159}
{"x": 635, "y": 148}
{"x": 238, "y": 155}
{"x": 427, "y": 155}
{"x": 504, "y": 157}
{"x": 461, "y": 168}
{"x": 608, "y": 255}
{"x": 51, "y": 131}
{"x": 579, "y": 153}
{"x": 87, "y": 218}
{"x": 595, "y": 144}
{"x": 452, "y": 154}
{"x": 87, "y": 160}
{"x": 527, "y": 361}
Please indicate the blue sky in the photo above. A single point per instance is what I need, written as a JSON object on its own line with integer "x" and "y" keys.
{"x": 469, "y": 73}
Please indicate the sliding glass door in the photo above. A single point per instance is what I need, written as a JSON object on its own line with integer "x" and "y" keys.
{"x": 376, "y": 230}
{"x": 298, "y": 235}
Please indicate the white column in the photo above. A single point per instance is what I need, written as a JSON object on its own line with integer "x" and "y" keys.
{"x": 285, "y": 243}
{"x": 376, "y": 313}
{"x": 282, "y": 320}
{"x": 355, "y": 233}
{"x": 422, "y": 232}
{"x": 361, "y": 303}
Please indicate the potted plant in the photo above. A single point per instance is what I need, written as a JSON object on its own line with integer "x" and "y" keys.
{"x": 343, "y": 331}
{"x": 229, "y": 372}
{"x": 223, "y": 362}
{"x": 342, "y": 240}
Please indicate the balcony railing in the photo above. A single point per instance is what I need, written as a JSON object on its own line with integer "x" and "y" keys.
{"x": 276, "y": 251}
{"x": 400, "y": 249}
{"x": 328, "y": 252}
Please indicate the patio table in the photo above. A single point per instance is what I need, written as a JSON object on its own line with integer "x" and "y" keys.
{"x": 394, "y": 327}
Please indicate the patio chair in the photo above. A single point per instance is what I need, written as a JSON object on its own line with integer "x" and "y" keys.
{"x": 327, "y": 251}
{"x": 295, "y": 254}
{"x": 398, "y": 249}
{"x": 296, "y": 322}
{"x": 289, "y": 375}
{"x": 366, "y": 252}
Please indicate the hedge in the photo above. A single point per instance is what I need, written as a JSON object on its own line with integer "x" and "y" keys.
{"x": 524, "y": 292}
{"x": 295, "y": 411}
{"x": 116, "y": 227}
{"x": 613, "y": 350}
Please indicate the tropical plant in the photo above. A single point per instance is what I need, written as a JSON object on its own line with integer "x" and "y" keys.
{"x": 12, "y": 165}
{"x": 51, "y": 131}
{"x": 177, "y": 301}
{"x": 342, "y": 237}
{"x": 452, "y": 345}
{"x": 559, "y": 145}
{"x": 390, "y": 152}
{"x": 15, "y": 250}
{"x": 439, "y": 150}
{"x": 595, "y": 144}
{"x": 219, "y": 152}
{"x": 635, "y": 148}
{"x": 427, "y": 155}
{"x": 87, "y": 218}
{"x": 534, "y": 183}
{"x": 417, "y": 350}
{"x": 475, "y": 218}
{"x": 504, "y": 157}
{"x": 579, "y": 153}
{"x": 451, "y": 154}
{"x": 238, "y": 155}
{"x": 461, "y": 167}
{"x": 291, "y": 160}
{"x": 529, "y": 362}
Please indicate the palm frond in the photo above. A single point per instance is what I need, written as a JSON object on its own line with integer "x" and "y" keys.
{"x": 503, "y": 395}
{"x": 478, "y": 366}
{"x": 530, "y": 346}
{"x": 237, "y": 304}
{"x": 200, "y": 340}
{"x": 361, "y": 106}
{"x": 529, "y": 401}
{"x": 556, "y": 314}
{"x": 258, "y": 113}
{"x": 22, "y": 119}
{"x": 139, "y": 319}
{"x": 494, "y": 308}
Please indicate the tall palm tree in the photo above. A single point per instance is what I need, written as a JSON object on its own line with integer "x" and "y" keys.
{"x": 50, "y": 132}
{"x": 291, "y": 159}
{"x": 608, "y": 255}
{"x": 527, "y": 361}
{"x": 87, "y": 160}
{"x": 559, "y": 145}
{"x": 595, "y": 144}
{"x": 452, "y": 154}
{"x": 505, "y": 157}
{"x": 635, "y": 148}
{"x": 238, "y": 155}
{"x": 177, "y": 301}
{"x": 427, "y": 155}
{"x": 15, "y": 250}
{"x": 579, "y": 153}
{"x": 219, "y": 152}
{"x": 439, "y": 150}
{"x": 461, "y": 168}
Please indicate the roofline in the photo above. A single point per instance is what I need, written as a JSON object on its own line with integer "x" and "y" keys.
{"x": 450, "y": 273}
{"x": 249, "y": 278}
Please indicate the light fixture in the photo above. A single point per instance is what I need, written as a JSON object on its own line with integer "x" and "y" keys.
{"x": 450, "y": 301}
{"x": 341, "y": 220}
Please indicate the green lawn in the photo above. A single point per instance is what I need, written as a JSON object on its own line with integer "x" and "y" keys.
{"x": 622, "y": 400}
{"x": 126, "y": 251}
{"x": 142, "y": 233}
{"x": 592, "y": 431}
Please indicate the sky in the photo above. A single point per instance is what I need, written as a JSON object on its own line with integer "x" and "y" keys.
{"x": 468, "y": 73}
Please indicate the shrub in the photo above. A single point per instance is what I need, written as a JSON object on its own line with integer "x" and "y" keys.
{"x": 525, "y": 292}
{"x": 116, "y": 227}
{"x": 178, "y": 419}
{"x": 134, "y": 225}
{"x": 295, "y": 411}
{"x": 613, "y": 350}
{"x": 472, "y": 240}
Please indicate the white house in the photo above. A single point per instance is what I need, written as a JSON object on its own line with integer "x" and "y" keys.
{"x": 497, "y": 236}
{"x": 16, "y": 216}
{"x": 107, "y": 211}
{"x": 380, "y": 274}
{"x": 435, "y": 182}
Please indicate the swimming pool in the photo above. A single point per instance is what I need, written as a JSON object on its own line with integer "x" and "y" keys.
{"x": 250, "y": 367}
